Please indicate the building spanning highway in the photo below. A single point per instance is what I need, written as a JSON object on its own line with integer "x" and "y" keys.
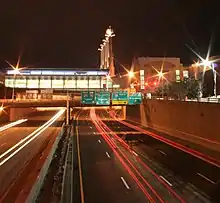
{"x": 114, "y": 162}
{"x": 24, "y": 146}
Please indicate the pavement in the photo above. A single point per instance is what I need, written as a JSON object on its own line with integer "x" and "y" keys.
{"x": 196, "y": 179}
{"x": 104, "y": 178}
{"x": 18, "y": 170}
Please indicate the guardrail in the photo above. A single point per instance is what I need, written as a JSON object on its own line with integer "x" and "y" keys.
{"x": 35, "y": 190}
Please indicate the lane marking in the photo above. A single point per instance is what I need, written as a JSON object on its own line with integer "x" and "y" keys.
{"x": 162, "y": 152}
{"x": 204, "y": 177}
{"x": 80, "y": 166}
{"x": 125, "y": 183}
{"x": 99, "y": 141}
{"x": 165, "y": 180}
{"x": 134, "y": 153}
{"x": 108, "y": 155}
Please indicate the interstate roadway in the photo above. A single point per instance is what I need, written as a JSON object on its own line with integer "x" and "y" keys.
{"x": 117, "y": 168}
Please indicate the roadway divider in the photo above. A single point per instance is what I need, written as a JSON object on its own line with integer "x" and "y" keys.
{"x": 36, "y": 188}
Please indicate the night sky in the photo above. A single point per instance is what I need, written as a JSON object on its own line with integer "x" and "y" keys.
{"x": 67, "y": 33}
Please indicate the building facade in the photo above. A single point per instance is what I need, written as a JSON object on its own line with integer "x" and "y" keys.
{"x": 75, "y": 80}
{"x": 147, "y": 71}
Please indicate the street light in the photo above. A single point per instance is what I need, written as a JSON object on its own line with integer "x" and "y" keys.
{"x": 207, "y": 63}
{"x": 16, "y": 70}
{"x": 131, "y": 74}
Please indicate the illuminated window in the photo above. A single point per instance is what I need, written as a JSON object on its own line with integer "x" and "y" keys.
{"x": 177, "y": 75}
{"x": 142, "y": 82}
{"x": 32, "y": 83}
{"x": 109, "y": 84}
{"x": 94, "y": 82}
{"x": 82, "y": 83}
{"x": 57, "y": 83}
{"x": 9, "y": 82}
{"x": 103, "y": 82}
{"x": 20, "y": 83}
{"x": 70, "y": 83}
{"x": 45, "y": 83}
{"x": 185, "y": 73}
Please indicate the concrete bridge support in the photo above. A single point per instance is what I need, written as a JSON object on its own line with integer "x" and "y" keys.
{"x": 19, "y": 113}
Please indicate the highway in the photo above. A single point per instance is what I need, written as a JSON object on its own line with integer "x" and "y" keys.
{"x": 183, "y": 167}
{"x": 121, "y": 164}
{"x": 23, "y": 149}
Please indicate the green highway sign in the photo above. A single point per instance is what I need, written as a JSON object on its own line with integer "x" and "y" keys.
{"x": 102, "y": 98}
{"x": 135, "y": 98}
{"x": 120, "y": 97}
{"x": 88, "y": 97}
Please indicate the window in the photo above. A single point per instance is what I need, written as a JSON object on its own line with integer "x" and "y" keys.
{"x": 142, "y": 82}
{"x": 177, "y": 75}
{"x": 94, "y": 82}
{"x": 82, "y": 83}
{"x": 57, "y": 83}
{"x": 70, "y": 83}
{"x": 32, "y": 83}
{"x": 185, "y": 73}
{"x": 45, "y": 83}
{"x": 20, "y": 83}
{"x": 9, "y": 82}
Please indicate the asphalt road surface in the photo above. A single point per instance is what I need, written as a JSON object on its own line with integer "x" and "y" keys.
{"x": 195, "y": 179}
{"x": 19, "y": 168}
{"x": 104, "y": 178}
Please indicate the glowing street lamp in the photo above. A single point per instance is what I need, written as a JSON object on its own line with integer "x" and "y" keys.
{"x": 207, "y": 63}
{"x": 1, "y": 108}
{"x": 131, "y": 74}
{"x": 16, "y": 71}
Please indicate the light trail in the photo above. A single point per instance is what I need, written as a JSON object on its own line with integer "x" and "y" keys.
{"x": 142, "y": 163}
{"x": 32, "y": 136}
{"x": 135, "y": 169}
{"x": 176, "y": 145}
{"x": 5, "y": 127}
{"x": 109, "y": 142}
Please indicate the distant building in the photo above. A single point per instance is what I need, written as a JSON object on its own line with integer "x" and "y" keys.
{"x": 147, "y": 68}
{"x": 56, "y": 80}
